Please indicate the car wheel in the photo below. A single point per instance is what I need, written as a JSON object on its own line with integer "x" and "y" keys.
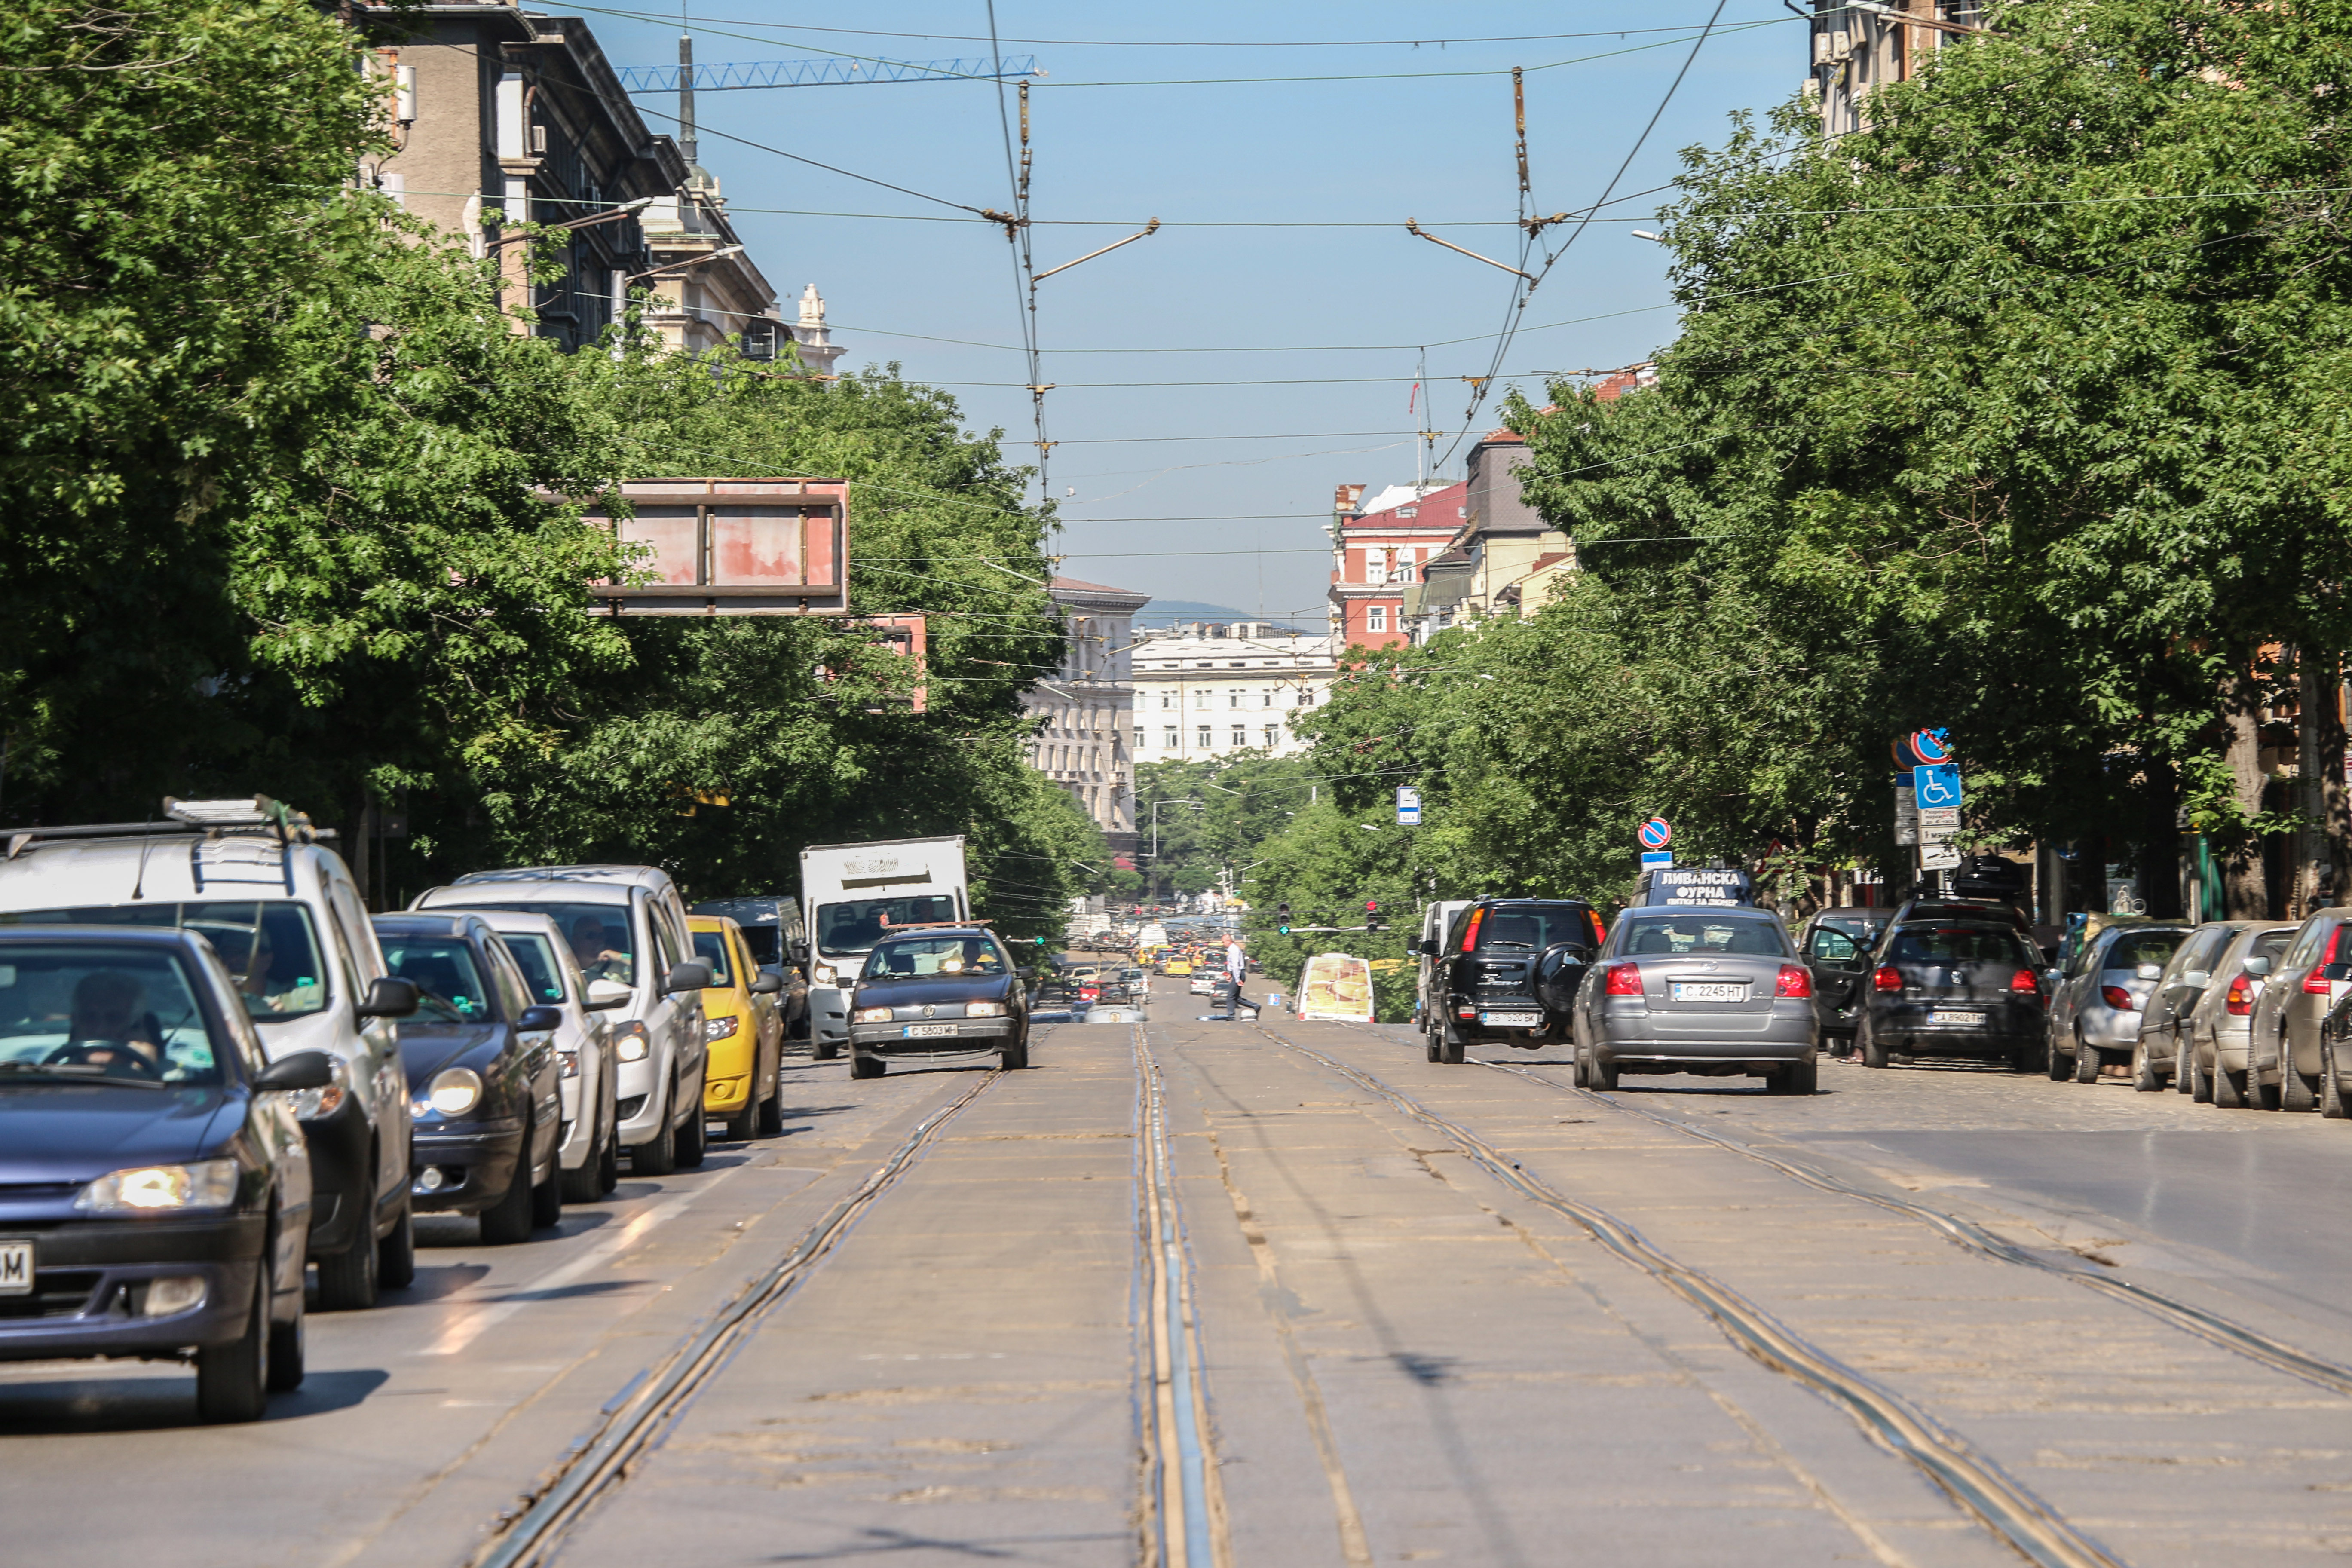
{"x": 395, "y": 1255}
{"x": 657, "y": 1155}
{"x": 867, "y": 1066}
{"x": 1014, "y": 1057}
{"x": 2229, "y": 1088}
{"x": 1797, "y": 1077}
{"x": 2295, "y": 1090}
{"x": 738, "y": 1126}
{"x": 348, "y": 1280}
{"x": 233, "y": 1380}
{"x": 1580, "y": 1070}
{"x": 508, "y": 1221}
{"x": 2184, "y": 1063}
{"x": 1873, "y": 1055}
{"x": 772, "y": 1110}
{"x": 826, "y": 1050}
{"x": 547, "y": 1197}
{"x": 1450, "y": 1044}
{"x": 2201, "y": 1084}
{"x": 2055, "y": 1062}
{"x": 2088, "y": 1059}
{"x": 286, "y": 1353}
{"x": 694, "y": 1134}
{"x": 1434, "y": 1042}
{"x": 2331, "y": 1098}
{"x": 1601, "y": 1076}
{"x": 2261, "y": 1096}
{"x": 2144, "y": 1079}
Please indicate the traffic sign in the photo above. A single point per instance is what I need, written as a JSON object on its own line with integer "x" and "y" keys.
{"x": 1924, "y": 748}
{"x": 1408, "y": 807}
{"x": 1655, "y": 834}
{"x": 1938, "y": 784}
{"x": 1906, "y": 812}
{"x": 1657, "y": 858}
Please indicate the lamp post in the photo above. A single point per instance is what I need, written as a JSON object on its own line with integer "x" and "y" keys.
{"x": 626, "y": 209}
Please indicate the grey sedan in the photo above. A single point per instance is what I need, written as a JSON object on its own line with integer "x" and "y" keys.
{"x": 2094, "y": 1015}
{"x": 1715, "y": 991}
{"x": 2212, "y": 1063}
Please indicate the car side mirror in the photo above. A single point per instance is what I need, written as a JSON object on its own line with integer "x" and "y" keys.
{"x": 798, "y": 948}
{"x": 538, "y": 1020}
{"x": 691, "y": 976}
{"x": 605, "y": 995}
{"x": 2149, "y": 972}
{"x": 1428, "y": 948}
{"x": 766, "y": 984}
{"x": 2259, "y": 965}
{"x": 303, "y": 1069}
{"x": 388, "y": 998}
{"x": 2196, "y": 977}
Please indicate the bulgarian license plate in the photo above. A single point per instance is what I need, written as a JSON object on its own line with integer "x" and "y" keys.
{"x": 1710, "y": 991}
{"x": 1951, "y": 1016}
{"x": 925, "y": 1031}
{"x": 1512, "y": 1020}
{"x": 15, "y": 1268}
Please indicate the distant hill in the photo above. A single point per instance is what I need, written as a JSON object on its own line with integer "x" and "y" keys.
{"x": 1177, "y": 612}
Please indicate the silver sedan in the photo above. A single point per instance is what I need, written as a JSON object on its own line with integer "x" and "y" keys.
{"x": 1716, "y": 992}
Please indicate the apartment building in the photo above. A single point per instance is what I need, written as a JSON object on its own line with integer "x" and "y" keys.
{"x": 1859, "y": 48}
{"x": 1504, "y": 559}
{"x": 1081, "y": 709}
{"x": 1378, "y": 548}
{"x": 1206, "y": 691}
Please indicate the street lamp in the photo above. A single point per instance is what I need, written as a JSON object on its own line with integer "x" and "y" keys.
{"x": 682, "y": 265}
{"x": 626, "y": 209}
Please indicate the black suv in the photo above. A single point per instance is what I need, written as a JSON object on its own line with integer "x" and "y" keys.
{"x": 1508, "y": 970}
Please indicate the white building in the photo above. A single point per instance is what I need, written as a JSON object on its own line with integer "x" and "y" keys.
{"x": 1205, "y": 690}
{"x": 1081, "y": 708}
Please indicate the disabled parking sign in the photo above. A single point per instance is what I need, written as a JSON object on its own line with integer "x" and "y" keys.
{"x": 1936, "y": 787}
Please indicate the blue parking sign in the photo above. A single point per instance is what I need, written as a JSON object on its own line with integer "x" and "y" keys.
{"x": 1936, "y": 787}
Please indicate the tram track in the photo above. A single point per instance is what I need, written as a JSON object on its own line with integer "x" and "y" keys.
{"x": 601, "y": 1459}
{"x": 2210, "y": 1326}
{"x": 2006, "y": 1508}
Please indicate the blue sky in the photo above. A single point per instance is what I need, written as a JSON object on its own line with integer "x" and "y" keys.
{"x": 1233, "y": 513}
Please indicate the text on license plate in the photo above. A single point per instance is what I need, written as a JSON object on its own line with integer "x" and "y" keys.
{"x": 920, "y": 1031}
{"x": 15, "y": 1268}
{"x": 1946, "y": 1015}
{"x": 1710, "y": 991}
{"x": 1512, "y": 1020}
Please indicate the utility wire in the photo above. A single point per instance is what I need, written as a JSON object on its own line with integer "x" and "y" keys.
{"x": 1025, "y": 269}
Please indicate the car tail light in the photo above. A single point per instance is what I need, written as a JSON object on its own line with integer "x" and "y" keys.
{"x": 1625, "y": 980}
{"x": 1470, "y": 931}
{"x": 2240, "y": 1000}
{"x": 2118, "y": 998}
{"x": 1795, "y": 980}
{"x": 2023, "y": 981}
{"x": 1888, "y": 978}
{"x": 2316, "y": 980}
{"x": 1598, "y": 936}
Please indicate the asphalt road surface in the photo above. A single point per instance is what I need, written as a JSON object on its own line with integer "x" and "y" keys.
{"x": 1287, "y": 1294}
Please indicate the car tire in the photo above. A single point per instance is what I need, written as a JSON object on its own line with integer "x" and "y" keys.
{"x": 867, "y": 1066}
{"x": 738, "y": 1126}
{"x": 2144, "y": 1079}
{"x": 2229, "y": 1090}
{"x": 2261, "y": 1096}
{"x": 2184, "y": 1063}
{"x": 547, "y": 1197}
{"x": 1797, "y": 1077}
{"x": 1600, "y": 1076}
{"x": 1014, "y": 1057}
{"x": 1873, "y": 1055}
{"x": 608, "y": 1164}
{"x": 1579, "y": 1072}
{"x": 2088, "y": 1060}
{"x": 826, "y": 1050}
{"x": 349, "y": 1281}
{"x": 2201, "y": 1086}
{"x": 2055, "y": 1062}
{"x": 395, "y": 1255}
{"x": 287, "y": 1352}
{"x": 693, "y": 1135}
{"x": 2331, "y": 1098}
{"x": 769, "y": 1122}
{"x": 2295, "y": 1092}
{"x": 233, "y": 1380}
{"x": 657, "y": 1155}
{"x": 1433, "y": 1043}
{"x": 506, "y": 1222}
{"x": 1450, "y": 1044}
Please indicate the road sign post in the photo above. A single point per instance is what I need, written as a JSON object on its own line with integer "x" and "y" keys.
{"x": 1408, "y": 807}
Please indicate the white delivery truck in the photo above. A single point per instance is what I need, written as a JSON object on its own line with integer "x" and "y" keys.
{"x": 850, "y": 895}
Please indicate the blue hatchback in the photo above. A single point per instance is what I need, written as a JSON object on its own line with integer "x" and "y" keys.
{"x": 154, "y": 1185}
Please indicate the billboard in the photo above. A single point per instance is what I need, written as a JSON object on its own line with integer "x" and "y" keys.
{"x": 1336, "y": 987}
{"x": 1697, "y": 887}
{"x": 734, "y": 547}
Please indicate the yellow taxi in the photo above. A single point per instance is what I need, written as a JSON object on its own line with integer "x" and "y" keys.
{"x": 745, "y": 1029}
{"x": 1177, "y": 966}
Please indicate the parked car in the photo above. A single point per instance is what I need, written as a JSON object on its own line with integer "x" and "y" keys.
{"x": 1960, "y": 910}
{"x": 943, "y": 990}
{"x": 281, "y": 909}
{"x": 2213, "y": 1059}
{"x": 1436, "y": 920}
{"x": 746, "y": 1033}
{"x": 2094, "y": 1012}
{"x": 2336, "y": 1059}
{"x": 1507, "y": 971}
{"x": 1837, "y": 945}
{"x": 591, "y": 1155}
{"x": 774, "y": 931}
{"x": 1948, "y": 988}
{"x": 483, "y": 1074}
{"x": 2164, "y": 1019}
{"x": 2283, "y": 1040}
{"x": 626, "y": 928}
{"x": 156, "y": 1186}
{"x": 1716, "y": 992}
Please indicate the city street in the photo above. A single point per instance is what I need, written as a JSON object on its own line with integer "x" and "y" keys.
{"x": 1290, "y": 1294}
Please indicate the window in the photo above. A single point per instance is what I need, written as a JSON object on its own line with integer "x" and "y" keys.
{"x": 1138, "y": 739}
{"x": 1964, "y": 944}
{"x": 535, "y": 956}
{"x": 1374, "y": 571}
{"x": 2134, "y": 948}
{"x": 1640, "y": 934}
{"x": 1204, "y": 741}
{"x": 1832, "y": 945}
{"x": 271, "y": 947}
{"x": 1266, "y": 699}
{"x": 1168, "y": 738}
{"x": 91, "y": 1012}
{"x": 710, "y": 946}
{"x": 1273, "y": 736}
{"x": 449, "y": 982}
{"x": 1376, "y": 619}
{"x": 1168, "y": 700}
{"x": 1200, "y": 700}
{"x": 1233, "y": 697}
{"x": 1240, "y": 735}
{"x": 847, "y": 928}
{"x": 603, "y": 947}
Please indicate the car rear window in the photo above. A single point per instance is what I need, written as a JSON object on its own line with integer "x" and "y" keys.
{"x": 1648, "y": 935}
{"x": 1960, "y": 944}
{"x": 2134, "y": 948}
{"x": 450, "y": 984}
{"x": 1532, "y": 927}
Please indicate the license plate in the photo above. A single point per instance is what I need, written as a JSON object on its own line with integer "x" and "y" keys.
{"x": 1512, "y": 1020}
{"x": 924, "y": 1031}
{"x": 1946, "y": 1015}
{"x": 1709, "y": 990}
{"x": 15, "y": 1268}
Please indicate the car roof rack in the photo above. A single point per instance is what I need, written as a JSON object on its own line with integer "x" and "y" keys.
{"x": 197, "y": 822}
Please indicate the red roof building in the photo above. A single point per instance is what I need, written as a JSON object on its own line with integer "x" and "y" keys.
{"x": 1378, "y": 548}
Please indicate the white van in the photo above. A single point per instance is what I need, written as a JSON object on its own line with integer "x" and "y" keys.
{"x": 281, "y": 909}
{"x": 851, "y": 894}
{"x": 1435, "y": 919}
{"x": 625, "y": 926}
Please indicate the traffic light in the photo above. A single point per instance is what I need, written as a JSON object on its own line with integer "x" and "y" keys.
{"x": 1371, "y": 914}
{"x": 1282, "y": 917}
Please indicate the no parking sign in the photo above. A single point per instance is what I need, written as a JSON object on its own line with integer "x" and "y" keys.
{"x": 1655, "y": 834}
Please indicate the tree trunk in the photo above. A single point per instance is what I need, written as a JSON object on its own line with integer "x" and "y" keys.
{"x": 2159, "y": 845}
{"x": 2328, "y": 801}
{"x": 2242, "y": 872}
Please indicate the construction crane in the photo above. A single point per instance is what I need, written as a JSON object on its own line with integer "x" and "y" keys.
{"x": 736, "y": 75}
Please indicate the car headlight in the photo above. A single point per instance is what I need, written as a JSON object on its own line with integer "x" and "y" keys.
{"x": 630, "y": 1041}
{"x": 720, "y": 1028}
{"x": 310, "y": 1104}
{"x": 144, "y": 1189}
{"x": 568, "y": 1063}
{"x": 870, "y": 1016}
{"x": 983, "y": 1009}
{"x": 827, "y": 975}
{"x": 453, "y": 1092}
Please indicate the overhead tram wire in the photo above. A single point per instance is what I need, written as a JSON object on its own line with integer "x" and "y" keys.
{"x": 1024, "y": 267}
{"x": 1511, "y": 327}
{"x": 1198, "y": 43}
